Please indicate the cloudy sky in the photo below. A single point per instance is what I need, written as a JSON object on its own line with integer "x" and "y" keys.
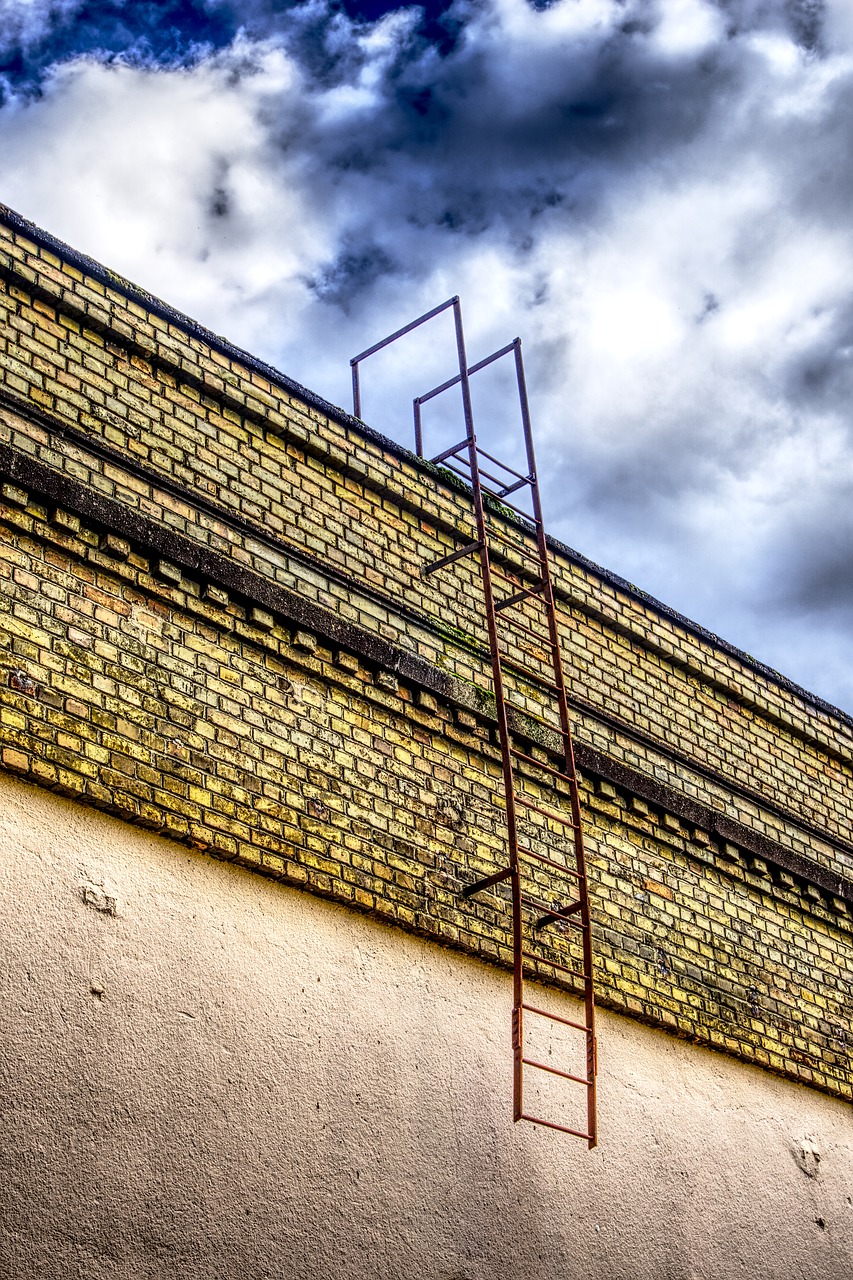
{"x": 655, "y": 194}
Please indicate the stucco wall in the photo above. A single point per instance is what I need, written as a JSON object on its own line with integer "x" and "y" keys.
{"x": 205, "y": 1074}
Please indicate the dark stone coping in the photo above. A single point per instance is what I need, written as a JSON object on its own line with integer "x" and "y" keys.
{"x": 15, "y": 222}
{"x": 113, "y": 516}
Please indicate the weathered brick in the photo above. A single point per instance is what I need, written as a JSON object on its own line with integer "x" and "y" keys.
{"x": 118, "y": 548}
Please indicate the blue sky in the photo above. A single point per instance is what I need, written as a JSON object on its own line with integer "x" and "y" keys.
{"x": 654, "y": 193}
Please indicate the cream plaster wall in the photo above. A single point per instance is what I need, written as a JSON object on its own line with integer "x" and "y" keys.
{"x": 229, "y": 1078}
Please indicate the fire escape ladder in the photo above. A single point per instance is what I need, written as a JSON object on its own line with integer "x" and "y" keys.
{"x": 520, "y": 616}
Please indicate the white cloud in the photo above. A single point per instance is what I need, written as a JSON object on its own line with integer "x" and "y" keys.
{"x": 687, "y": 27}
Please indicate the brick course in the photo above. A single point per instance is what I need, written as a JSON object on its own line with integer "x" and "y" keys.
{"x": 215, "y": 627}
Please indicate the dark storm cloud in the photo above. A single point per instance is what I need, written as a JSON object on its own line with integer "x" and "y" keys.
{"x": 36, "y": 36}
{"x": 819, "y": 378}
{"x": 815, "y": 564}
{"x": 453, "y": 147}
{"x": 350, "y": 273}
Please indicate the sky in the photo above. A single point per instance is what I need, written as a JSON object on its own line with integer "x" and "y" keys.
{"x": 654, "y": 194}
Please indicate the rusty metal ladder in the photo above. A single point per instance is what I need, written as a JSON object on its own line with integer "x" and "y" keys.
{"x": 530, "y": 914}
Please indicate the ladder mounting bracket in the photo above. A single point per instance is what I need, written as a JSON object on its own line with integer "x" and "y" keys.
{"x": 480, "y": 885}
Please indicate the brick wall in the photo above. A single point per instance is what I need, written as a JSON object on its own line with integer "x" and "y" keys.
{"x": 215, "y": 626}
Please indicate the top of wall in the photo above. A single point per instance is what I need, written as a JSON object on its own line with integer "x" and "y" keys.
{"x": 90, "y": 267}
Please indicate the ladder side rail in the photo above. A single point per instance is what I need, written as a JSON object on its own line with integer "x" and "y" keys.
{"x": 451, "y": 382}
{"x": 385, "y": 342}
{"x": 503, "y": 725}
{"x": 419, "y": 431}
{"x": 559, "y": 679}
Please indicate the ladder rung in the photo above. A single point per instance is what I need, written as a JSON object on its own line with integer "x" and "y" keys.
{"x": 555, "y": 1017}
{"x": 497, "y": 495}
{"x": 528, "y": 479}
{"x": 487, "y": 360}
{"x": 498, "y": 481}
{"x": 454, "y": 555}
{"x": 536, "y": 637}
{"x": 499, "y": 573}
{"x": 550, "y": 1124}
{"x": 566, "y": 916}
{"x": 480, "y": 885}
{"x": 518, "y": 597}
{"x": 553, "y": 913}
{"x": 450, "y": 467}
{"x": 518, "y": 510}
{"x": 546, "y": 768}
{"x": 436, "y": 391}
{"x": 407, "y": 328}
{"x": 503, "y": 488}
{"x": 511, "y": 488}
{"x": 555, "y": 964}
{"x": 520, "y": 669}
{"x": 543, "y": 906}
{"x": 522, "y": 552}
{"x": 531, "y": 715}
{"x": 535, "y": 589}
{"x": 555, "y": 1071}
{"x": 546, "y": 813}
{"x": 449, "y": 453}
{"x": 452, "y": 382}
{"x": 549, "y": 862}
